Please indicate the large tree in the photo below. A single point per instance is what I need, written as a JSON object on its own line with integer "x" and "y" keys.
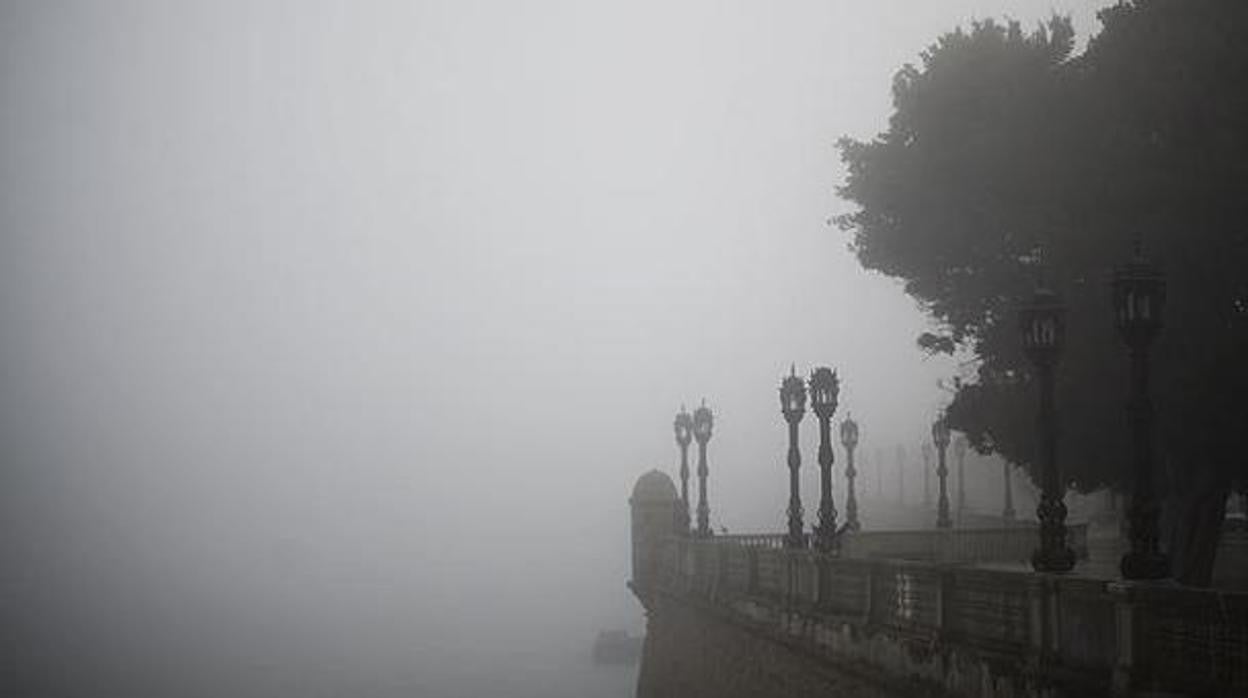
{"x": 1009, "y": 162}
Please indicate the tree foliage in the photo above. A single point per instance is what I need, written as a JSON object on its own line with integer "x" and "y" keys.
{"x": 1009, "y": 158}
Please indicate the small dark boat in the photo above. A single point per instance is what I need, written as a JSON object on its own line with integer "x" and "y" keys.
{"x": 616, "y": 647}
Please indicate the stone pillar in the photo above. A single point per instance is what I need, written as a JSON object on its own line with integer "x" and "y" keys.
{"x": 654, "y": 505}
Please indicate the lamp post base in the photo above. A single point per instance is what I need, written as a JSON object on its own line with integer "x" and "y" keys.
{"x": 1060, "y": 560}
{"x": 851, "y": 515}
{"x": 1145, "y": 565}
{"x": 825, "y": 540}
{"x": 825, "y": 530}
{"x": 796, "y": 537}
{"x": 1054, "y": 554}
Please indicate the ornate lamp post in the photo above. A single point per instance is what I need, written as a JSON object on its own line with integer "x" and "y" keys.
{"x": 1008, "y": 512}
{"x": 793, "y": 407}
{"x": 959, "y": 450}
{"x": 901, "y": 475}
{"x": 879, "y": 475}
{"x": 927, "y": 474}
{"x": 683, "y": 426}
{"x": 702, "y": 422}
{"x": 940, "y": 437}
{"x": 1139, "y": 296}
{"x": 1043, "y": 327}
{"x": 824, "y": 389}
{"x": 849, "y": 439}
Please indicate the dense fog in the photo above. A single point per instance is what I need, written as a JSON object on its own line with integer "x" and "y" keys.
{"x": 334, "y": 335}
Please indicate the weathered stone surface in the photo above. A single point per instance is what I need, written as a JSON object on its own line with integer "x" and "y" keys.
{"x": 694, "y": 652}
{"x": 740, "y": 616}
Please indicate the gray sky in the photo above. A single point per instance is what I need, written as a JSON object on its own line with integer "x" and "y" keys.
{"x": 365, "y": 316}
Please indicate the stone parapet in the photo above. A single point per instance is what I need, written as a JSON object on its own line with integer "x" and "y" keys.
{"x": 930, "y": 628}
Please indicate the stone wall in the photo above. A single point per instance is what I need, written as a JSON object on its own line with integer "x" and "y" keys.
{"x": 737, "y": 616}
{"x": 727, "y": 618}
{"x": 694, "y": 651}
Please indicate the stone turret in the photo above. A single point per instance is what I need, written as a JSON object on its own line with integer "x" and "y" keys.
{"x": 653, "y": 505}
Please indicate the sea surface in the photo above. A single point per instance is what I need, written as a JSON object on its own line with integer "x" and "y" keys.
{"x": 519, "y": 673}
{"x": 570, "y": 676}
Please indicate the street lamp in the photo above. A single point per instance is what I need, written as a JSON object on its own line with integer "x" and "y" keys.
{"x": 1043, "y": 327}
{"x": 793, "y": 407}
{"x": 849, "y": 439}
{"x": 702, "y": 422}
{"x": 927, "y": 474}
{"x": 683, "y": 426}
{"x": 824, "y": 389}
{"x": 879, "y": 474}
{"x": 1139, "y": 295}
{"x": 1008, "y": 512}
{"x": 940, "y": 437}
{"x": 901, "y": 475}
{"x": 959, "y": 449}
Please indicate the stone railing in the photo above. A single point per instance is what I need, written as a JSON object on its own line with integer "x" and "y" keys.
{"x": 754, "y": 540}
{"x": 1012, "y": 544}
{"x": 1085, "y": 636}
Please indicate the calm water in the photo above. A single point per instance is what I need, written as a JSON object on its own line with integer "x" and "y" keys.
{"x": 521, "y": 673}
{"x": 524, "y": 675}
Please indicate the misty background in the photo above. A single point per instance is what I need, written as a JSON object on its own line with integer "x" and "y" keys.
{"x": 334, "y": 335}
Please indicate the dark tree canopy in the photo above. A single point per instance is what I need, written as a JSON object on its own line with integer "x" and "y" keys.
{"x": 1010, "y": 161}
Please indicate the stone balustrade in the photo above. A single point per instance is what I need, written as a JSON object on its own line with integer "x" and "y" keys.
{"x": 1001, "y": 544}
{"x": 755, "y": 540}
{"x": 969, "y": 631}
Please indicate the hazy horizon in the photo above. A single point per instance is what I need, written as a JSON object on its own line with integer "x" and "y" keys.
{"x": 335, "y": 334}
